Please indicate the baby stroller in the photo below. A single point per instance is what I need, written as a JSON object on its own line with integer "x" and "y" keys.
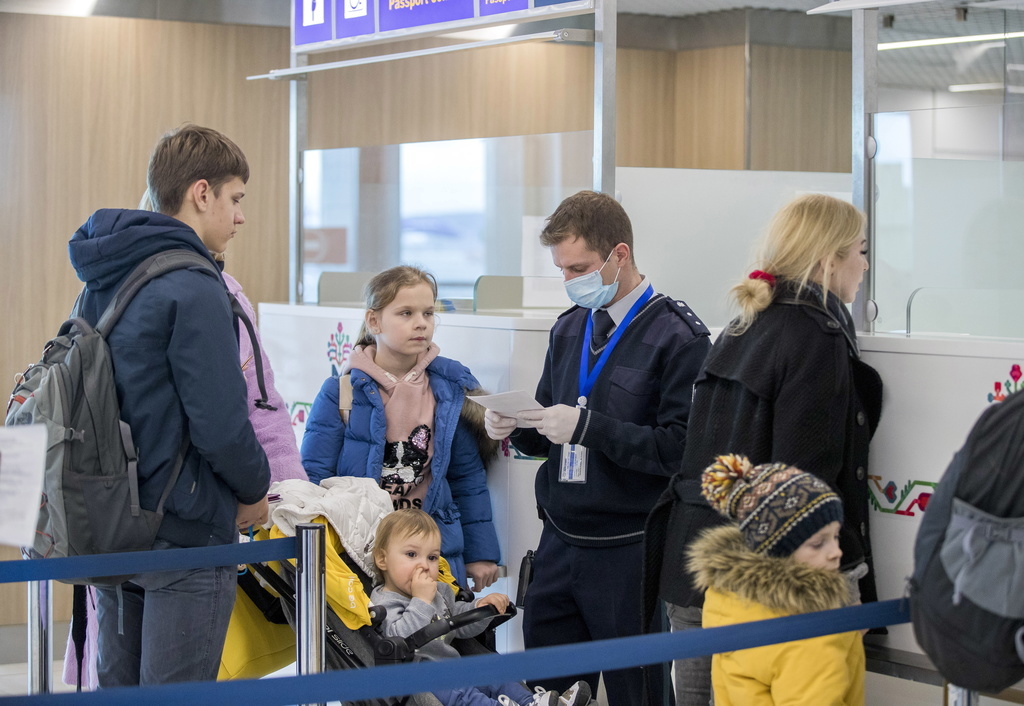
{"x": 352, "y": 639}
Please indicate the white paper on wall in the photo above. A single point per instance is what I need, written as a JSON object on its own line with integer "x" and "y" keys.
{"x": 22, "y": 461}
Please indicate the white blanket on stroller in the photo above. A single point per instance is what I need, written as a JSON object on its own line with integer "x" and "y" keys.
{"x": 352, "y": 506}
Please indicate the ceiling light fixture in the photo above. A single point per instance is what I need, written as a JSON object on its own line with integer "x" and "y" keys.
{"x": 970, "y": 87}
{"x": 847, "y": 5}
{"x": 938, "y": 41}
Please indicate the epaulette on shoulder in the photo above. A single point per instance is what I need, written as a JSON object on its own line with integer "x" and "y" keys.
{"x": 685, "y": 313}
{"x": 574, "y": 307}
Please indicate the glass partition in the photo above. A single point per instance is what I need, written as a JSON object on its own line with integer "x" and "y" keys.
{"x": 949, "y": 181}
{"x": 459, "y": 208}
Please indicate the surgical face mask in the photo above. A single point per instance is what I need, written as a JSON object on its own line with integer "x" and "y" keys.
{"x": 589, "y": 291}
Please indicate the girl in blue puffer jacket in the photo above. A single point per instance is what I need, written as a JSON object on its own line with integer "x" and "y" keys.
{"x": 401, "y": 421}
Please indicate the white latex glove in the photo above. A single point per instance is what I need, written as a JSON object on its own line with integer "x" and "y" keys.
{"x": 556, "y": 423}
{"x": 498, "y": 426}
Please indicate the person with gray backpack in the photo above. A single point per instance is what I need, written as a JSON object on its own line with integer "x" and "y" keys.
{"x": 174, "y": 355}
{"x": 967, "y": 589}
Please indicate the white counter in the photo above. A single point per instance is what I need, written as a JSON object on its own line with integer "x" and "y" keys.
{"x": 935, "y": 388}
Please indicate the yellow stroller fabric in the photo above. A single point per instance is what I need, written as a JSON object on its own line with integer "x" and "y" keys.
{"x": 256, "y": 647}
{"x": 344, "y": 589}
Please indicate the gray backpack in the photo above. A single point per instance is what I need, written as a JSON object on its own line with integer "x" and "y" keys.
{"x": 90, "y": 502}
{"x": 967, "y": 590}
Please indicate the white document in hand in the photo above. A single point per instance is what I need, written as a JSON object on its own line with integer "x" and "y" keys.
{"x": 509, "y": 404}
{"x": 22, "y": 461}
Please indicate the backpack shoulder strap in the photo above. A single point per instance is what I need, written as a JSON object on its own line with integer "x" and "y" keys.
{"x": 162, "y": 263}
{"x": 150, "y": 268}
{"x": 257, "y": 352}
{"x": 345, "y": 397}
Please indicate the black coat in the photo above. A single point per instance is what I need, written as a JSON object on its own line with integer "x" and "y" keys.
{"x": 792, "y": 388}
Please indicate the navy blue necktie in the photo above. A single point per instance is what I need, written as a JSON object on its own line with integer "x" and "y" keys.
{"x": 603, "y": 326}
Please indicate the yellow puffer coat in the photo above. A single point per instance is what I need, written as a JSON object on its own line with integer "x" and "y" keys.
{"x": 743, "y": 586}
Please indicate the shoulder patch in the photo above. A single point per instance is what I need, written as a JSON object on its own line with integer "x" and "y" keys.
{"x": 684, "y": 312}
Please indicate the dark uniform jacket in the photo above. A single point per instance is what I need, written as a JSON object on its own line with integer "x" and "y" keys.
{"x": 634, "y": 424}
{"x": 792, "y": 388}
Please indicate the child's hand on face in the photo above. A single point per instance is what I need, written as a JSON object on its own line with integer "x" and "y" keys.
{"x": 424, "y": 586}
{"x": 498, "y": 600}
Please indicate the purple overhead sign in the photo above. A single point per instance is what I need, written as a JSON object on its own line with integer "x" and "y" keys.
{"x": 353, "y": 18}
{"x": 326, "y": 22}
{"x": 312, "y": 21}
{"x": 497, "y": 7}
{"x": 403, "y": 14}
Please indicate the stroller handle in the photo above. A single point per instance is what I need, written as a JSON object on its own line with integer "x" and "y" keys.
{"x": 397, "y": 649}
{"x": 442, "y": 627}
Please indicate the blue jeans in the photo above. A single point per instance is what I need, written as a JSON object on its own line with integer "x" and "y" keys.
{"x": 692, "y": 676}
{"x": 169, "y": 626}
{"x": 484, "y": 695}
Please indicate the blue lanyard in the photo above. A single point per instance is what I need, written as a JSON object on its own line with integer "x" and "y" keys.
{"x": 589, "y": 377}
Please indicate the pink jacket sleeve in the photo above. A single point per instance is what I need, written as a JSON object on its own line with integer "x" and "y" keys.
{"x": 273, "y": 428}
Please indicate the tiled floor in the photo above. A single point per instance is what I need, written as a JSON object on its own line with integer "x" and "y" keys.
{"x": 14, "y": 679}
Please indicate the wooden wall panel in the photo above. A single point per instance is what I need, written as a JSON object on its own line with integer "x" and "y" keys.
{"x": 710, "y": 105}
{"x": 800, "y": 109}
{"x": 646, "y": 90}
{"x": 489, "y": 92}
{"x": 82, "y": 101}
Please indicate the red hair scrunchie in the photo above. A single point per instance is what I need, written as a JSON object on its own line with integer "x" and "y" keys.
{"x": 760, "y": 274}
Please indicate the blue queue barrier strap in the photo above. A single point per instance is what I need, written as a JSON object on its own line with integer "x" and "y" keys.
{"x": 141, "y": 562}
{"x": 534, "y": 665}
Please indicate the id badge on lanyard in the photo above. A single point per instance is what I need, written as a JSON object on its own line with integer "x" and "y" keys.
{"x": 574, "y": 458}
{"x": 573, "y": 468}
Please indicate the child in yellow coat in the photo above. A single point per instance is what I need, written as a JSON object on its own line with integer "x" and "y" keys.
{"x": 780, "y": 558}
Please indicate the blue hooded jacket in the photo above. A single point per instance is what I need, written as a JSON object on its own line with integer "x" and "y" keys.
{"x": 457, "y": 499}
{"x": 177, "y": 372}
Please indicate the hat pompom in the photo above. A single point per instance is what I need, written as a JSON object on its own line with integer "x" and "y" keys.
{"x": 718, "y": 480}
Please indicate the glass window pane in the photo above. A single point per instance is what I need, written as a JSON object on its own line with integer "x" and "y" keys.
{"x": 459, "y": 208}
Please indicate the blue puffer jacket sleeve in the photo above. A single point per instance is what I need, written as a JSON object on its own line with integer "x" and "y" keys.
{"x": 325, "y": 434}
{"x": 468, "y": 482}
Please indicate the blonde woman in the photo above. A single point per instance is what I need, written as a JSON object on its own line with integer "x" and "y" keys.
{"x": 784, "y": 380}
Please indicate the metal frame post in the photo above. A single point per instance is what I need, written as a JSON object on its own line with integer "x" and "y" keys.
{"x": 605, "y": 41}
{"x": 310, "y": 598}
{"x": 40, "y": 637}
{"x": 298, "y": 128}
{"x": 865, "y": 105}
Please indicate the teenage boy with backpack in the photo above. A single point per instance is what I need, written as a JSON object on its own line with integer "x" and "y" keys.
{"x": 181, "y": 390}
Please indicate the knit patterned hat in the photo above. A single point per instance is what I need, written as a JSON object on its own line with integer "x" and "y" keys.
{"x": 778, "y": 507}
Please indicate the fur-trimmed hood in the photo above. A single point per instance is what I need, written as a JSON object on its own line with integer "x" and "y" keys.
{"x": 721, "y": 560}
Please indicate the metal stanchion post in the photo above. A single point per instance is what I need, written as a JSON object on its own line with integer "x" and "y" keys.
{"x": 40, "y": 638}
{"x": 310, "y": 599}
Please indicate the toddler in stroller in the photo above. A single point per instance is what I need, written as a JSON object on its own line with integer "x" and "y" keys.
{"x": 354, "y": 510}
{"x": 407, "y": 552}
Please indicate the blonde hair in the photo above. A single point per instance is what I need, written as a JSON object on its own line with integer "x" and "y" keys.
{"x": 382, "y": 289}
{"x": 808, "y": 231}
{"x": 408, "y": 522}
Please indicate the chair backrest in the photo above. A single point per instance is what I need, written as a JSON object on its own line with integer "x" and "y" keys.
{"x": 503, "y": 292}
{"x": 345, "y": 288}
